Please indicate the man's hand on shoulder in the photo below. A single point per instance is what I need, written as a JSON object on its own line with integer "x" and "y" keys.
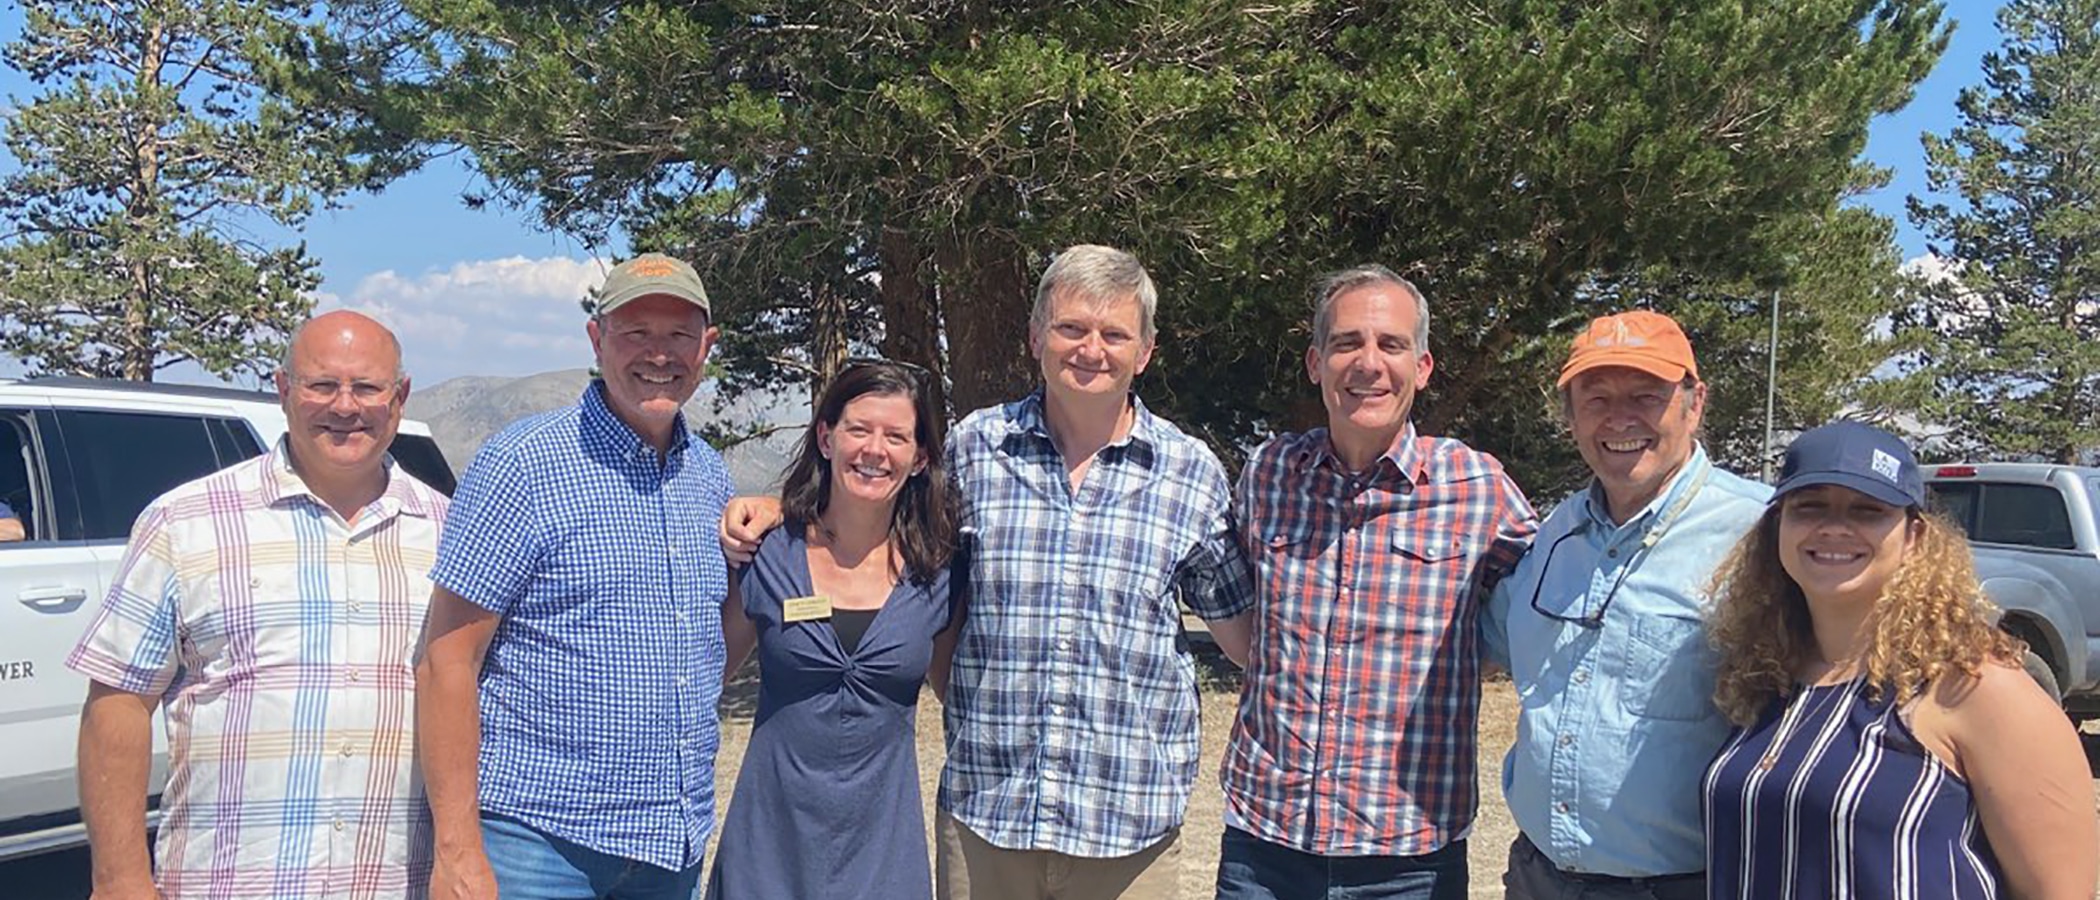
{"x": 744, "y": 523}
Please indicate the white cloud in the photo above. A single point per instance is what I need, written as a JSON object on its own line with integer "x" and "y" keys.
{"x": 512, "y": 316}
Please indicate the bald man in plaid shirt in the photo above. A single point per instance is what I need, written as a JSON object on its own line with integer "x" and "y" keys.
{"x": 1351, "y": 764}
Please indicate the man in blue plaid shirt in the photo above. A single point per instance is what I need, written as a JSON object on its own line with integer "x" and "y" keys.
{"x": 566, "y": 704}
{"x": 1071, "y": 719}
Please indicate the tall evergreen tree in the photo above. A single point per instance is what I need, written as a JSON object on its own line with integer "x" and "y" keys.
{"x": 908, "y": 167}
{"x": 164, "y": 147}
{"x": 2012, "y": 339}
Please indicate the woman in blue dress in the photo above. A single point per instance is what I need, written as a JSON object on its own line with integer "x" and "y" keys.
{"x": 847, "y": 604}
{"x": 1888, "y": 744}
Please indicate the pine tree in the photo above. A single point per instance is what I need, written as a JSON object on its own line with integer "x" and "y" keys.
{"x": 163, "y": 152}
{"x": 2012, "y": 338}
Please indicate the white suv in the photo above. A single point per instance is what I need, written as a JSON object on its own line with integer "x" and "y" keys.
{"x": 79, "y": 458}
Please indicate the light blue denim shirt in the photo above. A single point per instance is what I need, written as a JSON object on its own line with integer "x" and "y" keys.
{"x": 1616, "y": 723}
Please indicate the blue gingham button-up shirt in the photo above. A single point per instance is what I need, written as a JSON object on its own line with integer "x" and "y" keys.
{"x": 599, "y": 689}
{"x": 1072, "y": 712}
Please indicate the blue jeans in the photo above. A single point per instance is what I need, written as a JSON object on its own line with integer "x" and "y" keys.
{"x": 533, "y": 865}
{"x": 1250, "y": 868}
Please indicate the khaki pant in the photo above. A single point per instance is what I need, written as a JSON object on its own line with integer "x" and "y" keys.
{"x": 966, "y": 867}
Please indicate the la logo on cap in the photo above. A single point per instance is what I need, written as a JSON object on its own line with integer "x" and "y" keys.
{"x": 1886, "y": 465}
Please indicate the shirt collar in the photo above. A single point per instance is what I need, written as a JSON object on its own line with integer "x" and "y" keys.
{"x": 281, "y": 483}
{"x": 602, "y": 426}
{"x": 1404, "y": 456}
{"x": 1029, "y": 418}
{"x": 1598, "y": 507}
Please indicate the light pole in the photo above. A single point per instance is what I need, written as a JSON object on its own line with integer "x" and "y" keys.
{"x": 1771, "y": 385}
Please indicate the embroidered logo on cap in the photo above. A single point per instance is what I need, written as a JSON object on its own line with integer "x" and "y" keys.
{"x": 653, "y": 267}
{"x": 1886, "y": 465}
{"x": 1619, "y": 337}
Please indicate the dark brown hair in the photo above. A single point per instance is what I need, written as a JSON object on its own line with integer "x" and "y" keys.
{"x": 922, "y": 525}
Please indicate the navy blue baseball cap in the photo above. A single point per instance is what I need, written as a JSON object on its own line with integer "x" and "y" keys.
{"x": 1857, "y": 456}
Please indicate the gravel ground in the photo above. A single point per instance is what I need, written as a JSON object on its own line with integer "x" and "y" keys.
{"x": 1489, "y": 843}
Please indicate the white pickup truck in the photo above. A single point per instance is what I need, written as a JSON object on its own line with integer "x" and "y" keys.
{"x": 2035, "y": 529}
{"x": 79, "y": 458}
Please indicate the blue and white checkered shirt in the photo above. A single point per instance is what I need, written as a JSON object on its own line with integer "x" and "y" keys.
{"x": 598, "y": 694}
{"x": 1072, "y": 713}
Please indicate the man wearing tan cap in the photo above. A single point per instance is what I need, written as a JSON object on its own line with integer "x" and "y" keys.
{"x": 1600, "y": 627}
{"x": 566, "y": 704}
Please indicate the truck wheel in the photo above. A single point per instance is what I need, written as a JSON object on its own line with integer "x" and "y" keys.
{"x": 2038, "y": 669}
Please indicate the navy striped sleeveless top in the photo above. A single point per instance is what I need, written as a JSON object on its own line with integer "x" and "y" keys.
{"x": 1831, "y": 796}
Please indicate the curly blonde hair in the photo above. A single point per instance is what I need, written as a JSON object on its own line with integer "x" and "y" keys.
{"x": 1932, "y": 621}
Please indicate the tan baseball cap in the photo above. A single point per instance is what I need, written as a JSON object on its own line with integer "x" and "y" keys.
{"x": 649, "y": 274}
{"x": 1638, "y": 339}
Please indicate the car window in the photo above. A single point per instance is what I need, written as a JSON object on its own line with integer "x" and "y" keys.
{"x": 2030, "y": 515}
{"x": 18, "y": 489}
{"x": 123, "y": 460}
{"x": 1956, "y": 500}
{"x": 421, "y": 457}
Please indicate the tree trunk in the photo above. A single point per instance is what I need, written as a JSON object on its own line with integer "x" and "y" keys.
{"x": 137, "y": 354}
{"x": 827, "y": 350}
{"x": 984, "y": 308}
{"x": 910, "y": 330}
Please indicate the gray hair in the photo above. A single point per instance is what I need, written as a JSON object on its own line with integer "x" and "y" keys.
{"x": 1098, "y": 273}
{"x": 1342, "y": 282}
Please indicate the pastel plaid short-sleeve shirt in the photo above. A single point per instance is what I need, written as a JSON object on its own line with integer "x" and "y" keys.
{"x": 281, "y": 642}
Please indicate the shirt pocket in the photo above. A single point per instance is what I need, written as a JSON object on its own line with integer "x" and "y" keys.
{"x": 1668, "y": 672}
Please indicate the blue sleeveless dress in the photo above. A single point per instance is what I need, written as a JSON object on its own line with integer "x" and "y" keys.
{"x": 827, "y": 803}
{"x": 1850, "y": 805}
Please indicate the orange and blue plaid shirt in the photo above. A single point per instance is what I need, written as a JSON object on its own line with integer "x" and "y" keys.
{"x": 1355, "y": 734}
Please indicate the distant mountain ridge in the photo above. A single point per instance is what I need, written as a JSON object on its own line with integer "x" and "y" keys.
{"x": 465, "y": 412}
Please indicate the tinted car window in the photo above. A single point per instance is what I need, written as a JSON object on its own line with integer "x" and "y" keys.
{"x": 2030, "y": 515}
{"x": 1955, "y": 500}
{"x": 421, "y": 457}
{"x": 122, "y": 460}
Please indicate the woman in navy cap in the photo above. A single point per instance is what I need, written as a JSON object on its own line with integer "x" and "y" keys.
{"x": 1888, "y": 743}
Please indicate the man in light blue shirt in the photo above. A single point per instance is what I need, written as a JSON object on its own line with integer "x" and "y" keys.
{"x": 1601, "y": 628}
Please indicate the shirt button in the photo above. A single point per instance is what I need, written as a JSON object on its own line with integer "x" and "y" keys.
{"x": 1613, "y": 553}
{"x": 1561, "y": 807}
{"x": 1567, "y": 739}
{"x": 355, "y": 675}
{"x": 357, "y": 605}
{"x": 347, "y": 750}
{"x": 1581, "y": 678}
{"x": 339, "y": 823}
{"x": 681, "y": 680}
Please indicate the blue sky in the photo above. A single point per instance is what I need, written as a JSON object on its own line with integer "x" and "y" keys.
{"x": 483, "y": 293}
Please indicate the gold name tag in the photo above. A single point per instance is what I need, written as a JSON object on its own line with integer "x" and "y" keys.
{"x": 805, "y": 609}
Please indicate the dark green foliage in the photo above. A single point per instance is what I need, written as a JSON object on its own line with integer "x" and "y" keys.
{"x": 2011, "y": 341}
{"x": 164, "y": 134}
{"x": 844, "y": 171}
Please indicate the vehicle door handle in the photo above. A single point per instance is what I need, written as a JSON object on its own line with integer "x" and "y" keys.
{"x": 54, "y": 600}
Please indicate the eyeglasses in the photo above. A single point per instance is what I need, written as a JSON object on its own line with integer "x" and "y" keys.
{"x": 918, "y": 373}
{"x": 1593, "y": 619}
{"x": 1649, "y": 539}
{"x": 364, "y": 393}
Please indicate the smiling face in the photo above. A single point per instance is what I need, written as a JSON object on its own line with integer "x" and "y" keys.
{"x": 1841, "y": 545}
{"x": 874, "y": 448}
{"x": 1091, "y": 348}
{"x": 342, "y": 391}
{"x": 1367, "y": 365}
{"x": 1634, "y": 430}
{"x": 651, "y": 354}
